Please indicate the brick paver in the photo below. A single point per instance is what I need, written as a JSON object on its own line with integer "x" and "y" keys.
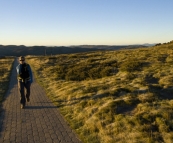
{"x": 39, "y": 122}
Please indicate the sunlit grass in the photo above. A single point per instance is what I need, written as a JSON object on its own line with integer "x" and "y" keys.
{"x": 5, "y": 69}
{"x": 133, "y": 103}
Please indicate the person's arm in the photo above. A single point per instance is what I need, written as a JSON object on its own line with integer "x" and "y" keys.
{"x": 18, "y": 69}
{"x": 30, "y": 73}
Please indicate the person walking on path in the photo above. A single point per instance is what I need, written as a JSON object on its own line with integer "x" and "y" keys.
{"x": 25, "y": 78}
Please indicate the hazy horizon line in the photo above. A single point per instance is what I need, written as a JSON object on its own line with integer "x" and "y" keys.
{"x": 77, "y": 45}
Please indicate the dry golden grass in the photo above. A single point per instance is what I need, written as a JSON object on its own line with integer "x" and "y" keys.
{"x": 134, "y": 104}
{"x": 5, "y": 69}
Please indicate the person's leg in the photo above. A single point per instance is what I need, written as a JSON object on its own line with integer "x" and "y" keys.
{"x": 27, "y": 86}
{"x": 22, "y": 94}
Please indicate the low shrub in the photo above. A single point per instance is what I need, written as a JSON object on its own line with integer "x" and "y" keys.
{"x": 131, "y": 66}
{"x": 162, "y": 58}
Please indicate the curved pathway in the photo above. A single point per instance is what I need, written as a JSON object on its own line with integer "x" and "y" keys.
{"x": 39, "y": 122}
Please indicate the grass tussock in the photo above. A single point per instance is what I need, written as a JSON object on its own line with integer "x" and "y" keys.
{"x": 5, "y": 69}
{"x": 123, "y": 96}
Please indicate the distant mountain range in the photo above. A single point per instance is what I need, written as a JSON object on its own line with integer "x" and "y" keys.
{"x": 13, "y": 50}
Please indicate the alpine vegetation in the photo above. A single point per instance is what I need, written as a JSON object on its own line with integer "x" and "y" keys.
{"x": 122, "y": 96}
{"x": 5, "y": 69}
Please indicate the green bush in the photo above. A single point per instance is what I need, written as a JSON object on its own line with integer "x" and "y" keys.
{"x": 77, "y": 73}
{"x": 131, "y": 65}
{"x": 59, "y": 71}
{"x": 94, "y": 73}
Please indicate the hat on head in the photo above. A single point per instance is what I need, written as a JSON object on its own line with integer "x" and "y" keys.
{"x": 21, "y": 58}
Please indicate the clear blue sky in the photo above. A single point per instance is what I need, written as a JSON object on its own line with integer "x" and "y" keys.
{"x": 91, "y": 22}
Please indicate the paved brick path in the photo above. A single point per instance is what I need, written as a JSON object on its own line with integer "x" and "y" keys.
{"x": 39, "y": 122}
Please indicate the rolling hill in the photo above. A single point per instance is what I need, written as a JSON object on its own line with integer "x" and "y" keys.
{"x": 122, "y": 96}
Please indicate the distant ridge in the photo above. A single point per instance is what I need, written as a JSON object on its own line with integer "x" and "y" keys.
{"x": 116, "y": 47}
{"x": 14, "y": 50}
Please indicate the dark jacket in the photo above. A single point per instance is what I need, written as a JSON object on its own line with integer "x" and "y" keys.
{"x": 27, "y": 72}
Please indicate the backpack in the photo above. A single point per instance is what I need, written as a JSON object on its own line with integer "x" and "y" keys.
{"x": 24, "y": 72}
